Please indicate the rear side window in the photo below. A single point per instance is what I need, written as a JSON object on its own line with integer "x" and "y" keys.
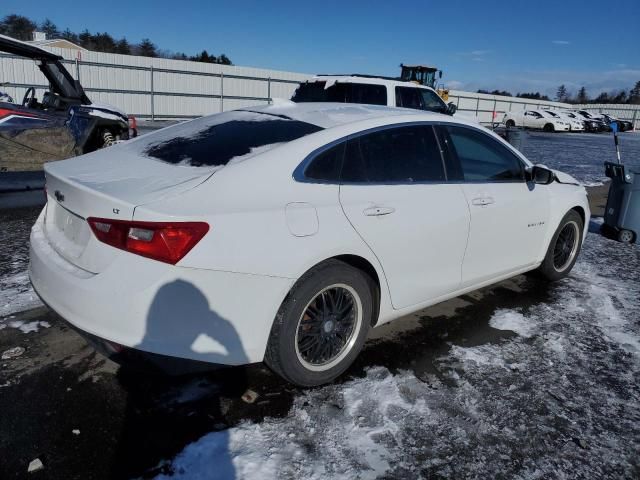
{"x": 394, "y": 155}
{"x": 326, "y": 166}
{"x": 341, "y": 92}
{"x": 482, "y": 158}
{"x": 217, "y": 140}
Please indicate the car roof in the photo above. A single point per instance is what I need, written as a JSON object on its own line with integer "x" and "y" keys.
{"x": 328, "y": 115}
{"x": 22, "y": 49}
{"x": 369, "y": 80}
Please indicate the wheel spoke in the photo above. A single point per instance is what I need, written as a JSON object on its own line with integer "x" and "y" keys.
{"x": 326, "y": 326}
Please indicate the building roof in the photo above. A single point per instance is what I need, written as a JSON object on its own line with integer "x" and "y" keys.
{"x": 57, "y": 43}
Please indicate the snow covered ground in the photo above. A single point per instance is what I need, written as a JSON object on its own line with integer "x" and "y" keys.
{"x": 16, "y": 293}
{"x": 553, "y": 392}
{"x": 558, "y": 398}
{"x": 582, "y": 154}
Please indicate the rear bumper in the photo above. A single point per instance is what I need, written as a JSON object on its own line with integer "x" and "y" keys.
{"x": 210, "y": 316}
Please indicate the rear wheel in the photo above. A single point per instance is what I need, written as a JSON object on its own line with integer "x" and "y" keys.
{"x": 322, "y": 325}
{"x": 510, "y": 123}
{"x": 564, "y": 248}
{"x": 625, "y": 236}
{"x": 549, "y": 128}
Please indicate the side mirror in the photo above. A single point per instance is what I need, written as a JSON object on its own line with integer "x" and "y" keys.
{"x": 541, "y": 175}
{"x": 451, "y": 108}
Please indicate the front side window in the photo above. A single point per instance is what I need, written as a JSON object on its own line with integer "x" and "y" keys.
{"x": 341, "y": 92}
{"x": 432, "y": 101}
{"x": 394, "y": 155}
{"x": 419, "y": 99}
{"x": 482, "y": 158}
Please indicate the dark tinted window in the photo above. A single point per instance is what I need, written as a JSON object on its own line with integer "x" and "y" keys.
{"x": 482, "y": 158}
{"x": 326, "y": 165}
{"x": 217, "y": 144}
{"x": 341, "y": 92}
{"x": 432, "y": 101}
{"x": 402, "y": 154}
{"x": 419, "y": 99}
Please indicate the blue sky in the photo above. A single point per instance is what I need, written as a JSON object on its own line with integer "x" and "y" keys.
{"x": 515, "y": 45}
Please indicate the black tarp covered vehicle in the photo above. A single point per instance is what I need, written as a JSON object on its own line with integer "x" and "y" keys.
{"x": 62, "y": 124}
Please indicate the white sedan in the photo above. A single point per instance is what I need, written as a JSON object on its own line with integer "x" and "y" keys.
{"x": 538, "y": 119}
{"x": 285, "y": 233}
{"x": 575, "y": 125}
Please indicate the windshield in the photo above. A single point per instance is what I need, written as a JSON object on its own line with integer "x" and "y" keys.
{"x": 59, "y": 78}
{"x": 551, "y": 114}
{"x": 341, "y": 92}
{"x": 219, "y": 139}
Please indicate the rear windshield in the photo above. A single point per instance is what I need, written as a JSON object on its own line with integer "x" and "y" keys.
{"x": 341, "y": 93}
{"x": 219, "y": 139}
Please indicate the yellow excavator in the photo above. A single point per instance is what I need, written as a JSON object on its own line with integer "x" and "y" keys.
{"x": 424, "y": 75}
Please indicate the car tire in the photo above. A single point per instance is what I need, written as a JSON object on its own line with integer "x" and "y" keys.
{"x": 310, "y": 315}
{"x": 549, "y": 128}
{"x": 510, "y": 123}
{"x": 564, "y": 248}
{"x": 625, "y": 236}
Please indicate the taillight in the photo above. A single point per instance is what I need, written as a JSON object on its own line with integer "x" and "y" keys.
{"x": 163, "y": 241}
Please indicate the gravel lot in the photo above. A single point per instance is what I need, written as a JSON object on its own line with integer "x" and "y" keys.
{"x": 520, "y": 380}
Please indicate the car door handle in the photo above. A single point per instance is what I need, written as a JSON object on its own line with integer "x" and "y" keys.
{"x": 482, "y": 201}
{"x": 378, "y": 211}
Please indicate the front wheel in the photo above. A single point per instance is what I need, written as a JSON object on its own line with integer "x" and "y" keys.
{"x": 549, "y": 128}
{"x": 564, "y": 248}
{"x": 322, "y": 324}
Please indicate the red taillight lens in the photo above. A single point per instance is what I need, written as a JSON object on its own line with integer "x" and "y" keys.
{"x": 163, "y": 241}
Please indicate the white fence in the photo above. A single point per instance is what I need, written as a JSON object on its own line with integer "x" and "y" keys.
{"x": 155, "y": 87}
{"x": 162, "y": 89}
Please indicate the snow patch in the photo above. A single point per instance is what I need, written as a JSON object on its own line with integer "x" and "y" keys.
{"x": 25, "y": 327}
{"x": 514, "y": 321}
{"x": 16, "y": 294}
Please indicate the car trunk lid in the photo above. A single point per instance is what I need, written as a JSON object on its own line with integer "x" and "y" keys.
{"x": 109, "y": 183}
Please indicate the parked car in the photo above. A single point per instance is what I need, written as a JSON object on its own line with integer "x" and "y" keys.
{"x": 61, "y": 124}
{"x": 536, "y": 119}
{"x": 575, "y": 124}
{"x": 589, "y": 124}
{"x": 623, "y": 125}
{"x": 594, "y": 118}
{"x": 285, "y": 233}
{"x": 371, "y": 90}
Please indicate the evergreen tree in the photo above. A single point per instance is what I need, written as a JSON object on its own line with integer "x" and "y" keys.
{"x": 146, "y": 48}
{"x": 602, "y": 98}
{"x": 561, "y": 94}
{"x": 123, "y": 47}
{"x": 50, "y": 29}
{"x": 224, "y": 60}
{"x": 582, "y": 96}
{"x": 18, "y": 27}
{"x": 634, "y": 94}
{"x": 621, "y": 97}
{"x": 103, "y": 42}
{"x": 86, "y": 40}
{"x": 69, "y": 35}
